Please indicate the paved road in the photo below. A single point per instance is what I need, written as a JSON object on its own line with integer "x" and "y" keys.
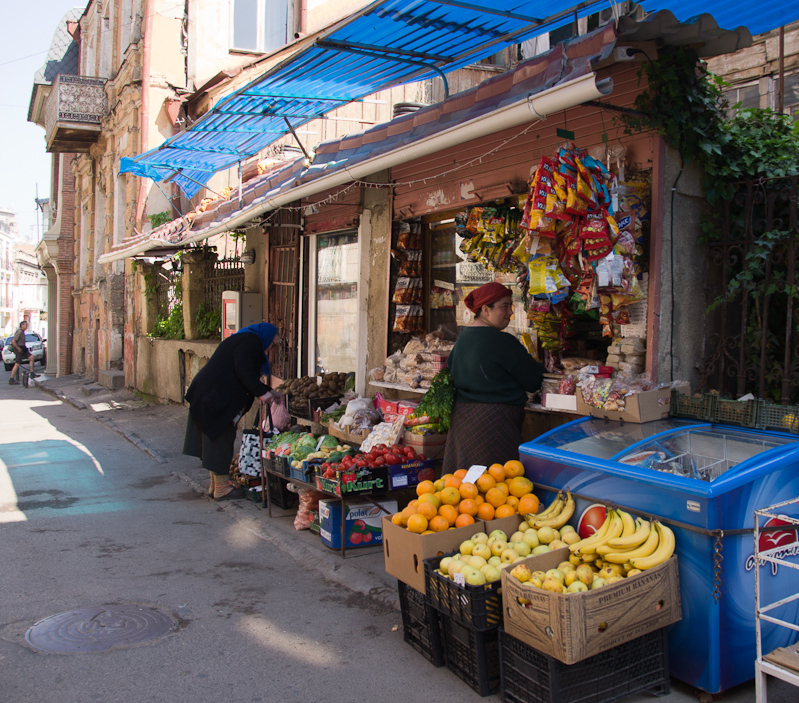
{"x": 87, "y": 518}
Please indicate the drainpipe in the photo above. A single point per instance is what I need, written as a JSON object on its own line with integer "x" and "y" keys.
{"x": 144, "y": 121}
{"x": 303, "y": 30}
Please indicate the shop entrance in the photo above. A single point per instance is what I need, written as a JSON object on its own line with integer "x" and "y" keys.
{"x": 282, "y": 269}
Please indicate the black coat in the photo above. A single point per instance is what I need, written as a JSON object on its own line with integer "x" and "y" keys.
{"x": 227, "y": 384}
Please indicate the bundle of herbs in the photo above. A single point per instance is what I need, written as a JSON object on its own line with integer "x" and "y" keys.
{"x": 439, "y": 399}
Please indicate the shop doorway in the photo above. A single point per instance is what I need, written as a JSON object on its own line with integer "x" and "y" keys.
{"x": 282, "y": 290}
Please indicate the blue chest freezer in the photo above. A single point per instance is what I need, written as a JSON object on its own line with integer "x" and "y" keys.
{"x": 705, "y": 481}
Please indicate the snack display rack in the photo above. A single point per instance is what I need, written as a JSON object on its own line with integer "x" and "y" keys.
{"x": 783, "y": 662}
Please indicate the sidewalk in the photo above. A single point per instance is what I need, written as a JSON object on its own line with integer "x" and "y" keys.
{"x": 158, "y": 431}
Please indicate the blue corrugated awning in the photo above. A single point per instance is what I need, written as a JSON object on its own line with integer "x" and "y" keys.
{"x": 388, "y": 43}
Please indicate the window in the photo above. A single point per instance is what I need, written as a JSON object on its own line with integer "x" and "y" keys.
{"x": 337, "y": 273}
{"x": 259, "y": 25}
{"x": 746, "y": 95}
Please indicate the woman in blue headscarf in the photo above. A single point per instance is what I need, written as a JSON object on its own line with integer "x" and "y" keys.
{"x": 220, "y": 394}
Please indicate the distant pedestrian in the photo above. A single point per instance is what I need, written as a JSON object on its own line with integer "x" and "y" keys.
{"x": 220, "y": 394}
{"x": 21, "y": 353}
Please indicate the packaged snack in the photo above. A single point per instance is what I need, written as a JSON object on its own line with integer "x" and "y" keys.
{"x": 474, "y": 223}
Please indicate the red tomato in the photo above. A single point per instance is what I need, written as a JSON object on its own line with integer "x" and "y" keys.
{"x": 395, "y": 448}
{"x": 421, "y": 457}
{"x": 380, "y": 461}
{"x": 361, "y": 463}
{"x": 392, "y": 459}
{"x": 370, "y": 456}
{"x": 381, "y": 447}
{"x": 325, "y": 466}
{"x": 409, "y": 452}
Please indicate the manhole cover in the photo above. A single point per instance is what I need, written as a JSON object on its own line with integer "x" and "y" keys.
{"x": 99, "y": 629}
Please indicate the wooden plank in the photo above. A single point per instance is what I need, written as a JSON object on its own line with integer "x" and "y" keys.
{"x": 786, "y": 657}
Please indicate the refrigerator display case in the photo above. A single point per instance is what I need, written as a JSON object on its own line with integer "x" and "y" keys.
{"x": 705, "y": 481}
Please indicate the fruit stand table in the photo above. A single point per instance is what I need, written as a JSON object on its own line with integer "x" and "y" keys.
{"x": 268, "y": 469}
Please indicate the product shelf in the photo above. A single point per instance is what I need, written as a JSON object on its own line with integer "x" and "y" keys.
{"x": 782, "y": 663}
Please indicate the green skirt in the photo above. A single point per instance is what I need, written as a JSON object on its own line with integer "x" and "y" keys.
{"x": 216, "y": 454}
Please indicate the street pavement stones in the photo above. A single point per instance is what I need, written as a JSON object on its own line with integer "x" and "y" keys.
{"x": 158, "y": 430}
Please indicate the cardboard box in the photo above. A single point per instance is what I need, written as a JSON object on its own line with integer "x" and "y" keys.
{"x": 362, "y": 526}
{"x": 574, "y": 626}
{"x": 639, "y": 407}
{"x": 432, "y": 446}
{"x": 558, "y": 401}
{"x": 354, "y": 481}
{"x": 406, "y": 407}
{"x": 411, "y": 473}
{"x": 405, "y": 551}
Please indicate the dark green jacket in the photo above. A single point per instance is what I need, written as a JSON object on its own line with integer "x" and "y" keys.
{"x": 490, "y": 366}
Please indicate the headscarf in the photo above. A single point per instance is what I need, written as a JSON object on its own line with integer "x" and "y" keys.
{"x": 267, "y": 334}
{"x": 486, "y": 294}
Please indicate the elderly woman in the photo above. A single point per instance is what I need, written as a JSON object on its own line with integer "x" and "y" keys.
{"x": 492, "y": 373}
{"x": 220, "y": 394}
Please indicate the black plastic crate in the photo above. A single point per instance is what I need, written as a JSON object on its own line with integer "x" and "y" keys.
{"x": 421, "y": 625}
{"x": 279, "y": 494}
{"x": 783, "y": 418}
{"x": 697, "y": 407}
{"x": 479, "y": 607}
{"x": 529, "y": 676}
{"x": 472, "y": 655}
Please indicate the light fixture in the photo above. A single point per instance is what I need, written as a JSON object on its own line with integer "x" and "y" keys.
{"x": 247, "y": 257}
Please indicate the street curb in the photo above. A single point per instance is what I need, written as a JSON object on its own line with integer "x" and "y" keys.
{"x": 132, "y": 437}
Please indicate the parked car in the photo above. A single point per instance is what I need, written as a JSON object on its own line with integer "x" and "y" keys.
{"x": 35, "y": 346}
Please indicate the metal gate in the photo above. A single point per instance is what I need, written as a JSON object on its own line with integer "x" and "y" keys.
{"x": 282, "y": 277}
{"x": 752, "y": 333}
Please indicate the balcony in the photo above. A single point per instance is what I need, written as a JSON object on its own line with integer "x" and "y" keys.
{"x": 75, "y": 108}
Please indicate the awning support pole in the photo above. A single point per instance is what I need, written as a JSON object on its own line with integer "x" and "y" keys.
{"x": 297, "y": 139}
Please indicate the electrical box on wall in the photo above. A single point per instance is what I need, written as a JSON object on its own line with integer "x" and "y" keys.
{"x": 240, "y": 310}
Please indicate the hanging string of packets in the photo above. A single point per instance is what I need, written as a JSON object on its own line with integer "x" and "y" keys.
{"x": 579, "y": 259}
{"x": 491, "y": 236}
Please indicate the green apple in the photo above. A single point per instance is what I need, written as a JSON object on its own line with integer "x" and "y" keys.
{"x": 540, "y": 549}
{"x": 531, "y": 538}
{"x": 576, "y": 587}
{"x": 498, "y": 547}
{"x": 516, "y": 537}
{"x": 495, "y": 561}
{"x": 498, "y": 533}
{"x": 598, "y": 583}
{"x": 476, "y": 561}
{"x": 556, "y": 574}
{"x": 466, "y": 547}
{"x": 492, "y": 573}
{"x": 546, "y": 535}
{"x": 482, "y": 550}
{"x": 479, "y": 538}
{"x": 522, "y": 547}
{"x": 509, "y": 555}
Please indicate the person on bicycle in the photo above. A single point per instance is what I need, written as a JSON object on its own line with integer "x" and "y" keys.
{"x": 21, "y": 352}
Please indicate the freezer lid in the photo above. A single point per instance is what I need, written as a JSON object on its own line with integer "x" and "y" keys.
{"x": 604, "y": 439}
{"x": 702, "y": 453}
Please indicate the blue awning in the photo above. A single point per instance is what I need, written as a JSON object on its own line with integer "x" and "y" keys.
{"x": 388, "y": 43}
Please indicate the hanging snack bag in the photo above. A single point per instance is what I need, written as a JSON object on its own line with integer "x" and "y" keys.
{"x": 474, "y": 223}
{"x": 494, "y": 225}
{"x": 404, "y": 236}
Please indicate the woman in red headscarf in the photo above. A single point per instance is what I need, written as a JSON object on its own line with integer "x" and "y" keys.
{"x": 493, "y": 373}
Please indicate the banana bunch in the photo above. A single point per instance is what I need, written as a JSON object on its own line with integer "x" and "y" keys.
{"x": 632, "y": 543}
{"x": 556, "y": 515}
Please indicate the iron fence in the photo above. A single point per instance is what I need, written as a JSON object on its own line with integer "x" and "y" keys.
{"x": 752, "y": 333}
{"x": 221, "y": 275}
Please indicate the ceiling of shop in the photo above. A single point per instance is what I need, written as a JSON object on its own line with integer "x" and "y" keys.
{"x": 388, "y": 43}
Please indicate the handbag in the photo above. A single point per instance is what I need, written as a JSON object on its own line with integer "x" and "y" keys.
{"x": 250, "y": 452}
